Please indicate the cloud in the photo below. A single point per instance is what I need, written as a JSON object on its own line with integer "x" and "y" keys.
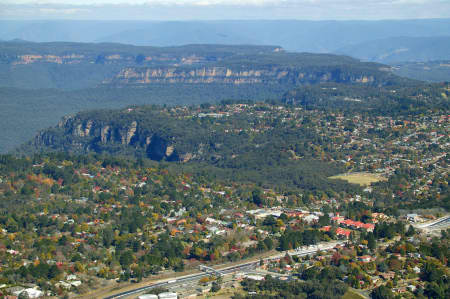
{"x": 217, "y": 2}
{"x": 257, "y": 3}
{"x": 63, "y": 11}
{"x": 152, "y": 2}
{"x": 225, "y": 9}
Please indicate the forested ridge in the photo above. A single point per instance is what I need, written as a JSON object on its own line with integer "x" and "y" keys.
{"x": 78, "y": 65}
{"x": 271, "y": 144}
{"x": 70, "y": 77}
{"x": 412, "y": 97}
{"x": 241, "y": 144}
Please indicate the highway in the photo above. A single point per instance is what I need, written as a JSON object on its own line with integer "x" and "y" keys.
{"x": 302, "y": 251}
{"x": 441, "y": 223}
{"x": 183, "y": 279}
{"x": 437, "y": 224}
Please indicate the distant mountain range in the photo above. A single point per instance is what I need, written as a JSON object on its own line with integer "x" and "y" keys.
{"x": 371, "y": 40}
{"x": 85, "y": 65}
{"x": 41, "y": 82}
{"x": 69, "y": 77}
{"x": 400, "y": 49}
{"x": 433, "y": 71}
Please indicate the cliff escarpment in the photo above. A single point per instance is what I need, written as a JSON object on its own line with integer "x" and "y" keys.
{"x": 26, "y": 53}
{"x": 268, "y": 75}
{"x": 275, "y": 68}
{"x": 77, "y": 66}
{"x": 147, "y": 133}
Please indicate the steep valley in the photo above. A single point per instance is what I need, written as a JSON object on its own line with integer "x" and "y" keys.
{"x": 42, "y": 82}
{"x": 76, "y": 66}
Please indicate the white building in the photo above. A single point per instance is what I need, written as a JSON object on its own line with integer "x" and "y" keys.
{"x": 32, "y": 293}
{"x": 168, "y": 295}
{"x": 311, "y": 218}
{"x": 255, "y": 277}
{"x": 413, "y": 217}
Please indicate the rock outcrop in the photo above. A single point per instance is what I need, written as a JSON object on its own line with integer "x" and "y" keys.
{"x": 73, "y": 133}
{"x": 215, "y": 74}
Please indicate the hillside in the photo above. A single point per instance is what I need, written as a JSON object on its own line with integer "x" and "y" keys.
{"x": 234, "y": 137}
{"x": 78, "y": 65}
{"x": 24, "y": 112}
{"x": 42, "y": 82}
{"x": 382, "y": 100}
{"x": 433, "y": 71}
{"x": 81, "y": 65}
{"x": 228, "y": 141}
{"x": 157, "y": 218}
{"x": 273, "y": 68}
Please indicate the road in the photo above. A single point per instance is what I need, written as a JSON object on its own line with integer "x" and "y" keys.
{"x": 184, "y": 279}
{"x": 246, "y": 266}
{"x": 444, "y": 222}
{"x": 440, "y": 223}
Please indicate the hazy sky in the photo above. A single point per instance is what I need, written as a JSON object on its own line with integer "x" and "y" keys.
{"x": 224, "y": 9}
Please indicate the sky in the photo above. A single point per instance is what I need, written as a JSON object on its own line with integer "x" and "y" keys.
{"x": 159, "y": 10}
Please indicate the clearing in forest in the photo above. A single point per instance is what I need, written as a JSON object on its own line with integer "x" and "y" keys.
{"x": 360, "y": 178}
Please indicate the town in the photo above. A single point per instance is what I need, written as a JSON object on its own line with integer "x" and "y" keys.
{"x": 81, "y": 224}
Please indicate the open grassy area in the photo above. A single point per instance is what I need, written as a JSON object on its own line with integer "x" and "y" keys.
{"x": 360, "y": 178}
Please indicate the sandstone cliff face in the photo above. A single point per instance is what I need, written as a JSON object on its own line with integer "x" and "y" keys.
{"x": 105, "y": 134}
{"x": 130, "y": 133}
{"x": 89, "y": 135}
{"x": 129, "y": 59}
{"x": 202, "y": 75}
{"x": 64, "y": 59}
